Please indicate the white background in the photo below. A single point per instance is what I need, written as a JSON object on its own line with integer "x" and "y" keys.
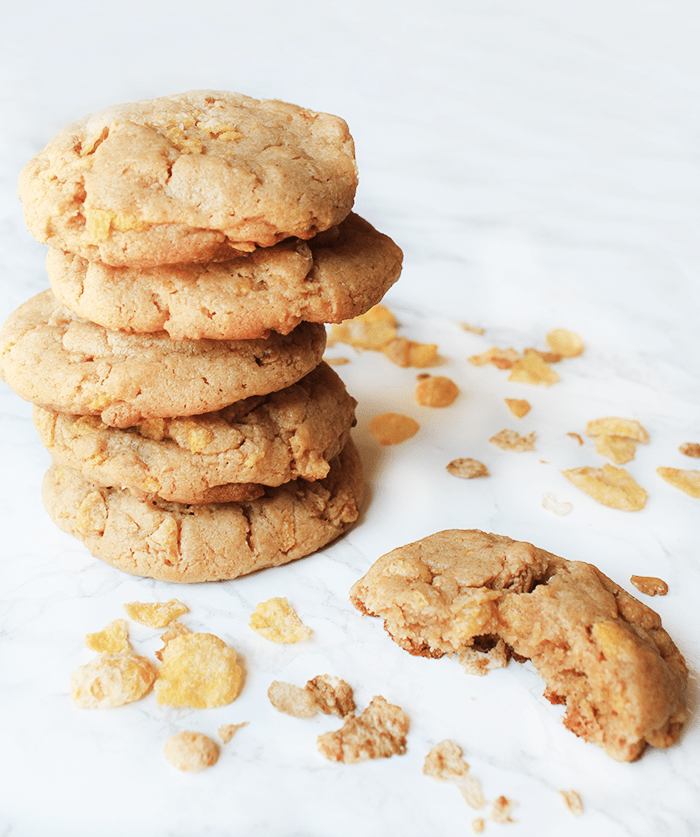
{"x": 539, "y": 164}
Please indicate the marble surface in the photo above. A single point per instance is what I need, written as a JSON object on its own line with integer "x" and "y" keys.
{"x": 538, "y": 163}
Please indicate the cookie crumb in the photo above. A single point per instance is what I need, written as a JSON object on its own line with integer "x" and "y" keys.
{"x": 155, "y": 614}
{"x": 480, "y": 661}
{"x": 510, "y": 440}
{"x": 227, "y": 731}
{"x": 379, "y": 732}
{"x": 436, "y": 391}
{"x": 277, "y": 621}
{"x": 191, "y": 751}
{"x": 690, "y": 449}
{"x": 650, "y": 585}
{"x": 572, "y": 801}
{"x": 549, "y": 503}
{"x": 393, "y": 428}
{"x": 470, "y": 788}
{"x": 467, "y": 469}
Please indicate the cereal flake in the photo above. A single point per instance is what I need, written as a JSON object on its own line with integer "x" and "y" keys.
{"x": 155, "y": 614}
{"x": 292, "y": 700}
{"x": 227, "y": 731}
{"x": 407, "y": 353}
{"x": 688, "y": 481}
{"x": 467, "y": 469}
{"x": 436, "y": 391}
{"x": 191, "y": 751}
{"x": 616, "y": 426}
{"x": 371, "y": 330}
{"x": 510, "y": 440}
{"x": 533, "y": 369}
{"x": 445, "y": 763}
{"x": 112, "y": 639}
{"x": 111, "y": 680}
{"x": 393, "y": 428}
{"x": 174, "y": 629}
{"x": 650, "y": 585}
{"x": 549, "y": 503}
{"x": 518, "y": 406}
{"x": 690, "y": 449}
{"x": 379, "y": 732}
{"x": 500, "y": 810}
{"x": 572, "y": 801}
{"x": 610, "y": 486}
{"x": 277, "y": 621}
{"x": 333, "y": 696}
{"x": 615, "y": 448}
{"x": 500, "y": 358}
{"x": 564, "y": 342}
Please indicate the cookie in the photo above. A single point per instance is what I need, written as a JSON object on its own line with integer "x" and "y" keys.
{"x": 212, "y": 542}
{"x": 57, "y": 360}
{"x": 600, "y": 651}
{"x": 189, "y": 177}
{"x": 215, "y": 457}
{"x": 335, "y": 276}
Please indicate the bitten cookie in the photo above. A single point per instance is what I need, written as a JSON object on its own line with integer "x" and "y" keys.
{"x": 337, "y": 275}
{"x": 189, "y": 177}
{"x": 57, "y": 360}
{"x": 215, "y": 457}
{"x": 600, "y": 651}
{"x": 212, "y": 542}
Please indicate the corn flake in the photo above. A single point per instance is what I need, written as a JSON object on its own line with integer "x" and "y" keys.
{"x": 467, "y": 469}
{"x": 379, "y": 732}
{"x": 393, "y": 428}
{"x": 436, "y": 391}
{"x": 615, "y": 448}
{"x": 572, "y": 801}
{"x": 532, "y": 369}
{"x": 292, "y": 700}
{"x": 227, "y": 731}
{"x": 200, "y": 671}
{"x": 155, "y": 614}
{"x": 610, "y": 486}
{"x": 510, "y": 440}
{"x": 111, "y": 680}
{"x": 688, "y": 481}
{"x": 500, "y": 810}
{"x": 191, "y": 751}
{"x": 650, "y": 585}
{"x": 518, "y": 406}
{"x": 406, "y": 353}
{"x": 371, "y": 330}
{"x": 690, "y": 449}
{"x": 549, "y": 503}
{"x": 112, "y": 639}
{"x": 615, "y": 426}
{"x": 277, "y": 621}
{"x": 564, "y": 342}
{"x": 500, "y": 358}
{"x": 445, "y": 762}
{"x": 333, "y": 696}
{"x": 174, "y": 629}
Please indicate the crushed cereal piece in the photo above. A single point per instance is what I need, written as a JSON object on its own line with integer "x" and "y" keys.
{"x": 688, "y": 481}
{"x": 436, "y": 391}
{"x": 445, "y": 762}
{"x": 650, "y": 585}
{"x": 393, "y": 428}
{"x": 371, "y": 330}
{"x": 610, "y": 486}
{"x": 549, "y": 503}
{"x": 379, "y": 732}
{"x": 690, "y": 449}
{"x": 615, "y": 448}
{"x": 191, "y": 751}
{"x": 227, "y": 731}
{"x": 500, "y": 358}
{"x": 174, "y": 629}
{"x": 478, "y": 825}
{"x": 547, "y": 357}
{"x": 576, "y": 436}
{"x": 572, "y": 801}
{"x": 467, "y": 469}
{"x": 277, "y": 621}
{"x": 112, "y": 639}
{"x": 111, "y": 680}
{"x": 510, "y": 440}
{"x": 615, "y": 426}
{"x": 155, "y": 614}
{"x": 532, "y": 369}
{"x": 292, "y": 700}
{"x": 470, "y": 788}
{"x": 333, "y": 696}
{"x": 472, "y": 329}
{"x": 500, "y": 810}
{"x": 406, "y": 353}
{"x": 199, "y": 670}
{"x": 518, "y": 406}
{"x": 564, "y": 342}
{"x": 337, "y": 361}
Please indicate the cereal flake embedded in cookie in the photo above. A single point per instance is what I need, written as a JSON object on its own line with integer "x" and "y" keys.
{"x": 336, "y": 275}
{"x": 599, "y": 650}
{"x": 189, "y": 177}
{"x": 59, "y": 361}
{"x": 379, "y": 732}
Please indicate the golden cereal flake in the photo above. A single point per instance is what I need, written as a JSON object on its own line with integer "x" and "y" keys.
{"x": 576, "y": 436}
{"x": 616, "y": 426}
{"x": 471, "y": 328}
{"x": 610, "y": 486}
{"x": 292, "y": 700}
{"x": 155, "y": 614}
{"x": 467, "y": 469}
{"x": 615, "y": 448}
{"x": 198, "y": 670}
{"x": 690, "y": 449}
{"x": 478, "y": 825}
{"x": 407, "y": 353}
{"x": 191, "y": 751}
{"x": 333, "y": 696}
{"x": 470, "y": 788}
{"x": 393, "y": 428}
{"x": 688, "y": 481}
{"x": 500, "y": 358}
{"x": 650, "y": 585}
{"x": 371, "y": 330}
{"x": 379, "y": 732}
{"x": 436, "y": 391}
{"x": 572, "y": 801}
{"x": 110, "y": 680}
{"x": 92, "y": 514}
{"x": 337, "y": 361}
{"x": 533, "y": 369}
{"x": 111, "y": 639}
{"x": 174, "y": 629}
{"x": 510, "y": 440}
{"x": 500, "y": 810}
{"x": 564, "y": 342}
{"x": 277, "y": 621}
{"x": 549, "y": 503}
{"x": 445, "y": 762}
{"x": 518, "y": 406}
{"x": 227, "y": 731}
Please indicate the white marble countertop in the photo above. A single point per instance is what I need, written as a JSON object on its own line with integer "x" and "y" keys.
{"x": 539, "y": 164}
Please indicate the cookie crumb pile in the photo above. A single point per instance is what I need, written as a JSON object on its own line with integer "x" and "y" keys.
{"x": 198, "y": 246}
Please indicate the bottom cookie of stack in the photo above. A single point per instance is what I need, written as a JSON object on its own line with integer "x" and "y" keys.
{"x": 206, "y": 542}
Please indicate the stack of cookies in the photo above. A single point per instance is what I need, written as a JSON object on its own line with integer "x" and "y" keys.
{"x": 199, "y": 243}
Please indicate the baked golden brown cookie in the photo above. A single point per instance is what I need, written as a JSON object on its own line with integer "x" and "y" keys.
{"x": 211, "y": 542}
{"x": 337, "y": 275}
{"x": 600, "y": 651}
{"x": 229, "y": 455}
{"x": 189, "y": 177}
{"x": 57, "y": 360}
